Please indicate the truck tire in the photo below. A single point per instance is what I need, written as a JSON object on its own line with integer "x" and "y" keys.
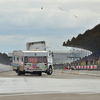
{"x": 49, "y": 71}
{"x": 23, "y": 73}
{"x": 39, "y": 73}
{"x": 19, "y": 73}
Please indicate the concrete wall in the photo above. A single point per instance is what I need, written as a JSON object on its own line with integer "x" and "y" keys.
{"x": 4, "y": 68}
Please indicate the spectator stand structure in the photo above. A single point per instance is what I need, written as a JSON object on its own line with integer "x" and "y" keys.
{"x": 90, "y": 40}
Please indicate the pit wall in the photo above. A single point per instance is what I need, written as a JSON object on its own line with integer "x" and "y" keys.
{"x": 4, "y": 68}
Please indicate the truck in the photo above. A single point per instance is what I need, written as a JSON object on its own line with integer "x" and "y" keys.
{"x": 37, "y": 58}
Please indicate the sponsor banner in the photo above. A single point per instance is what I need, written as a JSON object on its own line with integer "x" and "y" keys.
{"x": 73, "y": 67}
{"x": 88, "y": 67}
{"x": 85, "y": 67}
{"x": 76, "y": 67}
{"x": 95, "y": 66}
{"x": 64, "y": 68}
{"x": 81, "y": 67}
{"x": 91, "y": 67}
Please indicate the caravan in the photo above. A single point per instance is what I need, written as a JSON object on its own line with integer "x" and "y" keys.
{"x": 37, "y": 58}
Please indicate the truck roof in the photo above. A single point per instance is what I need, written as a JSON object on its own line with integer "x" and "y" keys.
{"x": 36, "y": 42}
{"x": 39, "y": 46}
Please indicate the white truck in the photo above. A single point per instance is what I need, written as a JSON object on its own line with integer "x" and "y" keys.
{"x": 36, "y": 59}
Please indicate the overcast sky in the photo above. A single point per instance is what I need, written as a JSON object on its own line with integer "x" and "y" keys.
{"x": 53, "y": 21}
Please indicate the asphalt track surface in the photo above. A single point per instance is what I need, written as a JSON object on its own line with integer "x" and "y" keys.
{"x": 58, "y": 86}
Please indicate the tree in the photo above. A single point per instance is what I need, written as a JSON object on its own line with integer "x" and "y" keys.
{"x": 5, "y": 54}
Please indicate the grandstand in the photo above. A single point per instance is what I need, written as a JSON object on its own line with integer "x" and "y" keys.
{"x": 90, "y": 40}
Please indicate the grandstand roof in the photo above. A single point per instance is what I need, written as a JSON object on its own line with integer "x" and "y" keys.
{"x": 89, "y": 40}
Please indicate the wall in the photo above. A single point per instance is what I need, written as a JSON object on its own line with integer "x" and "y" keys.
{"x": 4, "y": 68}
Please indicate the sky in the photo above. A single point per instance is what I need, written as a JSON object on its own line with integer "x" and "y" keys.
{"x": 53, "y": 21}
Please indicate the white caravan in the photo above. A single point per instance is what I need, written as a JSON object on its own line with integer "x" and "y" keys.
{"x": 37, "y": 58}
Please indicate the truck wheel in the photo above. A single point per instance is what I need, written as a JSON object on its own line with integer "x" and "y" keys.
{"x": 49, "y": 71}
{"x": 23, "y": 73}
{"x": 19, "y": 73}
{"x": 39, "y": 73}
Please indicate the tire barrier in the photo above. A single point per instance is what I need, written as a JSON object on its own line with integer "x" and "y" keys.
{"x": 4, "y": 68}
